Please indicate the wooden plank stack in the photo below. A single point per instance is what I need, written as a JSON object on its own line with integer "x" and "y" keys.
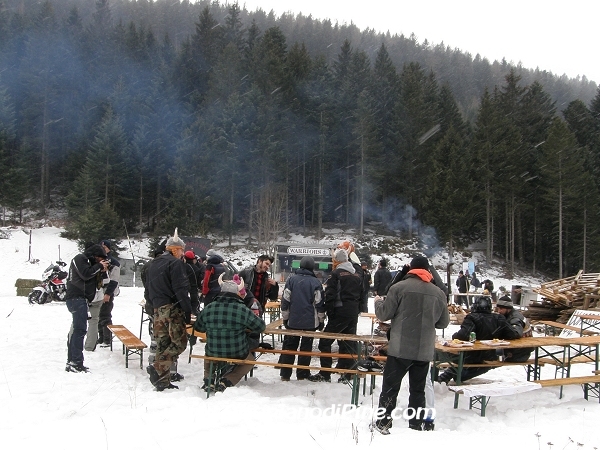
{"x": 562, "y": 297}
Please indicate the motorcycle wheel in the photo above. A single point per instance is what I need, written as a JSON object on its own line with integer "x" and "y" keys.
{"x": 34, "y": 297}
{"x": 45, "y": 298}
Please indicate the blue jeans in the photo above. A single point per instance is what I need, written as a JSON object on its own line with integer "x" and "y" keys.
{"x": 78, "y": 307}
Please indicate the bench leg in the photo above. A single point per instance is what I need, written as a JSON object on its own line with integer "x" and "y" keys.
{"x": 480, "y": 400}
{"x": 355, "y": 390}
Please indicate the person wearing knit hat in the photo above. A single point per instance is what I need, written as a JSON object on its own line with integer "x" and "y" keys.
{"x": 302, "y": 308}
{"x": 343, "y": 291}
{"x": 355, "y": 260}
{"x": 229, "y": 325}
{"x": 520, "y": 326}
{"x": 419, "y": 262}
{"x": 416, "y": 308}
{"x": 168, "y": 287}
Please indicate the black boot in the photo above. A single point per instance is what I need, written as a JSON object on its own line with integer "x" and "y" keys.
{"x": 153, "y": 375}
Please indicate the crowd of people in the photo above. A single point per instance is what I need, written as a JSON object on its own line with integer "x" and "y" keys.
{"x": 183, "y": 289}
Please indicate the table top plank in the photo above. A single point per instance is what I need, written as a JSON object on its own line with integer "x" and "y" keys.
{"x": 541, "y": 341}
{"x": 273, "y": 328}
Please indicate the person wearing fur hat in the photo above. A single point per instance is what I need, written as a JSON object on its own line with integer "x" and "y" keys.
{"x": 228, "y": 323}
{"x": 168, "y": 291}
{"x": 342, "y": 297}
{"x": 416, "y": 308}
{"x": 519, "y": 324}
{"x": 302, "y": 308}
{"x": 85, "y": 275}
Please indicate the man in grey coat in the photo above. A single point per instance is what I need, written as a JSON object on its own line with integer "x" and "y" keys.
{"x": 416, "y": 308}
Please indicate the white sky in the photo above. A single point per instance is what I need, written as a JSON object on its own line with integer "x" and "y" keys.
{"x": 561, "y": 37}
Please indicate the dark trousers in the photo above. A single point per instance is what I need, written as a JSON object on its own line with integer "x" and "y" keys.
{"x": 291, "y": 343}
{"x": 463, "y": 300}
{"x": 517, "y": 354}
{"x": 104, "y": 319}
{"x": 343, "y": 325}
{"x": 78, "y": 307}
{"x": 472, "y": 358}
{"x": 395, "y": 369}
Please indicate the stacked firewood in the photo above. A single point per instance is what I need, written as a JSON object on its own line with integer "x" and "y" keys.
{"x": 457, "y": 314}
{"x": 561, "y": 297}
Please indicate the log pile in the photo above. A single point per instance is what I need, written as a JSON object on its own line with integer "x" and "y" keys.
{"x": 457, "y": 314}
{"x": 561, "y": 297}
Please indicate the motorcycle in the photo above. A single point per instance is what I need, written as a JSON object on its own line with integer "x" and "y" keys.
{"x": 52, "y": 287}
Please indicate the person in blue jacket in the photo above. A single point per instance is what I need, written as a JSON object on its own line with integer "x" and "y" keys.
{"x": 302, "y": 308}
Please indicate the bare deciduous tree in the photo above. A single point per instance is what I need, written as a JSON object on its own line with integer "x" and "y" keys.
{"x": 269, "y": 216}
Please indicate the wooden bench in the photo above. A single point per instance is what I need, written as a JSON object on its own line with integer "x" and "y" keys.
{"x": 215, "y": 371}
{"x": 132, "y": 345}
{"x": 198, "y": 335}
{"x": 590, "y": 384}
{"x": 479, "y": 392}
{"x": 530, "y": 366}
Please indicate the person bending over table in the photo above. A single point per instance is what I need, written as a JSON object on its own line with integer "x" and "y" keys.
{"x": 485, "y": 325}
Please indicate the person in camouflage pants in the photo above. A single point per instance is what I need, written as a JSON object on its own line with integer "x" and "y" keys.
{"x": 170, "y": 337}
{"x": 167, "y": 292}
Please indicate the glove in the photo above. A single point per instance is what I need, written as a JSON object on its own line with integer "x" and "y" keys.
{"x": 321, "y": 326}
{"x": 188, "y": 317}
{"x": 285, "y": 322}
{"x": 265, "y": 345}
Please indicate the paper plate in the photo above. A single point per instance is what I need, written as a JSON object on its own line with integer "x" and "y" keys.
{"x": 495, "y": 343}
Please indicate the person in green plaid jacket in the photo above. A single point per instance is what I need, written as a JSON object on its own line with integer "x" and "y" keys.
{"x": 227, "y": 322}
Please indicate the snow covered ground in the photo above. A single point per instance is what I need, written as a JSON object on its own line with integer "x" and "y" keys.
{"x": 116, "y": 408}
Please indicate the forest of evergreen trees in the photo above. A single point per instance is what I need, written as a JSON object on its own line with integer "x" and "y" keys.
{"x": 207, "y": 116}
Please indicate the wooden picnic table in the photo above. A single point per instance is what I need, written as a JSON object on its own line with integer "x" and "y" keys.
{"x": 560, "y": 350}
{"x": 274, "y": 328}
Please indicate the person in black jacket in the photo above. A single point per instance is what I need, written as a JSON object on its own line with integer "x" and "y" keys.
{"x": 193, "y": 272}
{"x": 302, "y": 308}
{"x": 462, "y": 283}
{"x": 342, "y": 296}
{"x": 381, "y": 279}
{"x": 210, "y": 283}
{"x": 82, "y": 282}
{"x": 112, "y": 289}
{"x": 259, "y": 283}
{"x": 364, "y": 303}
{"x": 486, "y": 326}
{"x": 168, "y": 292}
